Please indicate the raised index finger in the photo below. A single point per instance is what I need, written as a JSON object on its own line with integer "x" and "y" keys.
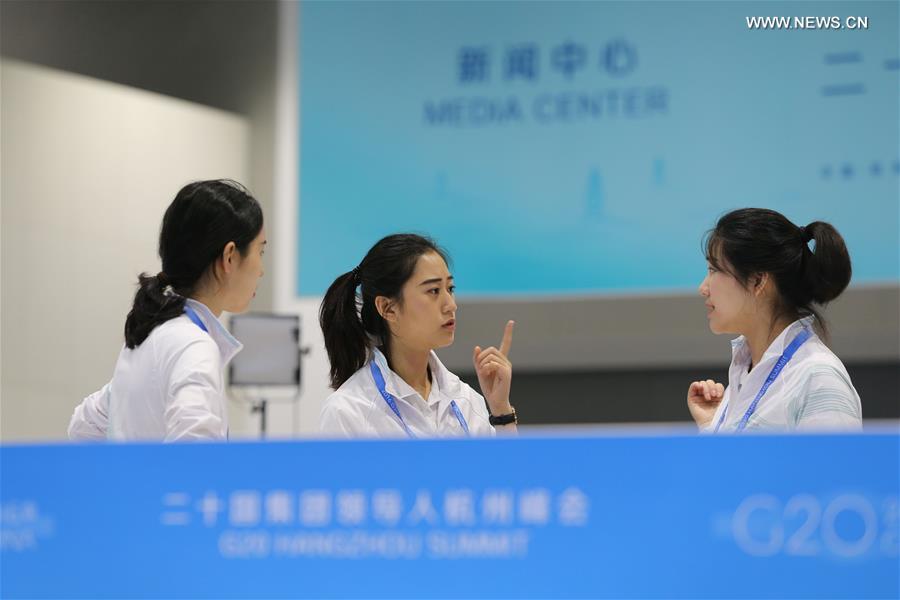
{"x": 507, "y": 338}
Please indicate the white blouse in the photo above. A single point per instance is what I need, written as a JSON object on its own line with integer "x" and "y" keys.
{"x": 812, "y": 392}
{"x": 357, "y": 409}
{"x": 169, "y": 388}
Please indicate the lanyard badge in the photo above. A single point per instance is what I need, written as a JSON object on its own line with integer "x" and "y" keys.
{"x": 773, "y": 375}
{"x": 392, "y": 402}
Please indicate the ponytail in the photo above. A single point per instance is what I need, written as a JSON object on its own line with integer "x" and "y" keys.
{"x": 345, "y": 337}
{"x": 350, "y": 321}
{"x": 155, "y": 302}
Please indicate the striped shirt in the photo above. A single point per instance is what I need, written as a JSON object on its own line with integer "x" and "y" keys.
{"x": 813, "y": 391}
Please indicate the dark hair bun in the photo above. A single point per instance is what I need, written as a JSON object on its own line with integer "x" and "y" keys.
{"x": 828, "y": 271}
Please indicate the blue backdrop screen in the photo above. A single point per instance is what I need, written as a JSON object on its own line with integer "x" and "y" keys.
{"x": 572, "y": 148}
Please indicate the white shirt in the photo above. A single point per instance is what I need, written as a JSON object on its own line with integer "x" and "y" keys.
{"x": 357, "y": 409}
{"x": 169, "y": 388}
{"x": 813, "y": 391}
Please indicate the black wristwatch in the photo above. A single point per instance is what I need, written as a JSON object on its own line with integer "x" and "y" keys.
{"x": 504, "y": 419}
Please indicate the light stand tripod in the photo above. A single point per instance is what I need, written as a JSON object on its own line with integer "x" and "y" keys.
{"x": 269, "y": 363}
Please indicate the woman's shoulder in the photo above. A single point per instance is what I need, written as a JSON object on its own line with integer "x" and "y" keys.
{"x": 472, "y": 395}
{"x": 179, "y": 329}
{"x": 359, "y": 390}
{"x": 818, "y": 371}
{"x": 815, "y": 355}
{"x": 824, "y": 396}
{"x": 461, "y": 391}
{"x": 178, "y": 337}
{"x": 347, "y": 410}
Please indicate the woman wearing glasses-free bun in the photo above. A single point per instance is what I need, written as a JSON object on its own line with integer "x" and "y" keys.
{"x": 380, "y": 340}
{"x": 764, "y": 282}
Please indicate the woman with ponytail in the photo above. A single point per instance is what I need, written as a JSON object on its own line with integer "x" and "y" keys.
{"x": 765, "y": 280}
{"x": 168, "y": 381}
{"x": 382, "y": 322}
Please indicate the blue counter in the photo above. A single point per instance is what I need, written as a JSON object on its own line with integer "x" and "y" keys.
{"x": 639, "y": 516}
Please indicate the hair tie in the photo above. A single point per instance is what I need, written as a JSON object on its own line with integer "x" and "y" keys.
{"x": 168, "y": 290}
{"x": 356, "y": 276}
{"x": 808, "y": 239}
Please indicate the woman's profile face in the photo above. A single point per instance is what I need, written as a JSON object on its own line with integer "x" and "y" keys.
{"x": 246, "y": 277}
{"x": 729, "y": 306}
{"x": 426, "y": 318}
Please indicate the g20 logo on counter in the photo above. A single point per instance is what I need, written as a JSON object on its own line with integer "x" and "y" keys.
{"x": 846, "y": 525}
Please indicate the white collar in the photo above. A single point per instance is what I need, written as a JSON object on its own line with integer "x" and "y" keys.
{"x": 227, "y": 343}
{"x": 740, "y": 350}
{"x": 443, "y": 380}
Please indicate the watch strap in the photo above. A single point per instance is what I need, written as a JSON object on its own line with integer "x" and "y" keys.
{"x": 504, "y": 419}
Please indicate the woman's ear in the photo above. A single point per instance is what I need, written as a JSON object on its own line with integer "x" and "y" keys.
{"x": 387, "y": 308}
{"x": 229, "y": 257}
{"x": 760, "y": 283}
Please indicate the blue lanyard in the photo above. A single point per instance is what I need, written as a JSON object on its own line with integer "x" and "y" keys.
{"x": 193, "y": 316}
{"x": 392, "y": 402}
{"x": 773, "y": 375}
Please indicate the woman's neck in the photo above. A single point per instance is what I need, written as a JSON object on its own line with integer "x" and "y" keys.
{"x": 209, "y": 292}
{"x": 761, "y": 337}
{"x": 411, "y": 365}
{"x": 209, "y": 301}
